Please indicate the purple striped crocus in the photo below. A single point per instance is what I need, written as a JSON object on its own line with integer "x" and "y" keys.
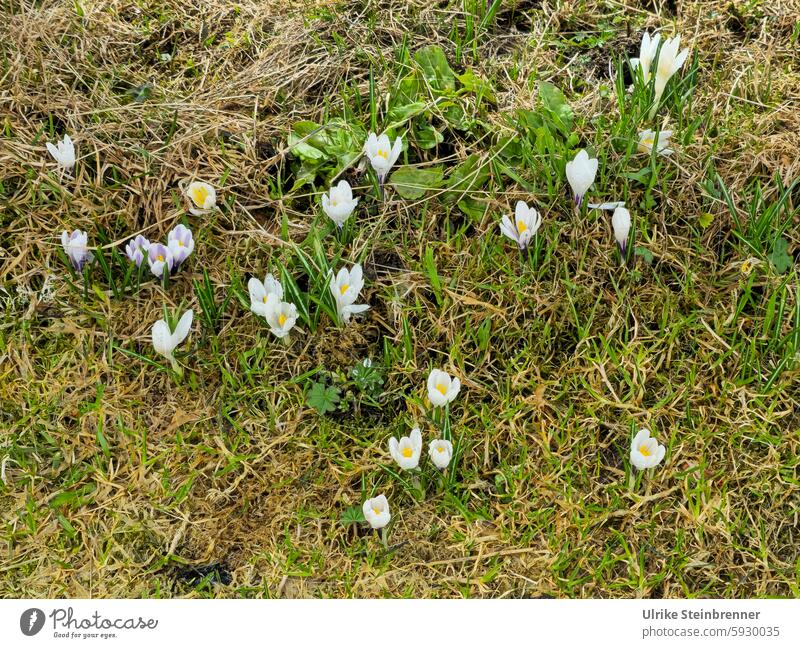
{"x": 180, "y": 243}
{"x": 137, "y": 249}
{"x": 159, "y": 257}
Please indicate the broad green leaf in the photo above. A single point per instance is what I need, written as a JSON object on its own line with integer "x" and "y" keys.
{"x": 779, "y": 257}
{"x": 472, "y": 209}
{"x": 411, "y": 182}
{"x": 309, "y": 141}
{"x": 556, "y": 106}
{"x": 323, "y": 399}
{"x": 304, "y": 150}
{"x": 476, "y": 84}
{"x": 529, "y": 120}
{"x": 407, "y": 91}
{"x": 401, "y": 114}
{"x": 352, "y": 515}
{"x": 436, "y": 69}
{"x": 427, "y": 136}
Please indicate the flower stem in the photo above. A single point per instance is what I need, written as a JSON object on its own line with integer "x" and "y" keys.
{"x": 176, "y": 368}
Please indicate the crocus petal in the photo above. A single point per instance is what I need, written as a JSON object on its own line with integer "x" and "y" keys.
{"x": 162, "y": 338}
{"x": 183, "y": 327}
{"x": 455, "y": 387}
{"x": 416, "y": 439}
{"x": 256, "y": 290}
{"x": 640, "y": 438}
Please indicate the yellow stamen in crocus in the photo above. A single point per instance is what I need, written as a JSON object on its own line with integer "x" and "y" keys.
{"x": 407, "y": 452}
{"x": 281, "y": 319}
{"x": 383, "y": 153}
{"x": 442, "y": 389}
{"x": 644, "y": 450}
{"x": 343, "y": 289}
{"x": 265, "y": 299}
{"x": 160, "y": 257}
{"x": 376, "y": 510}
{"x": 199, "y": 195}
{"x": 521, "y": 227}
{"x": 440, "y": 448}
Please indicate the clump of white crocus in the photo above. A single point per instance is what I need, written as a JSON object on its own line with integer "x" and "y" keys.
{"x": 281, "y": 317}
{"x": 159, "y": 258}
{"x": 649, "y": 138}
{"x": 76, "y": 248}
{"x": 264, "y": 294}
{"x": 63, "y": 152}
{"x": 166, "y": 341}
{"x": 441, "y": 388}
{"x": 137, "y": 249}
{"x": 202, "y": 196}
{"x": 621, "y": 222}
{"x": 646, "y": 452}
{"x": 441, "y": 452}
{"x": 376, "y": 511}
{"x": 382, "y": 154}
{"x": 339, "y": 205}
{"x": 180, "y": 243}
{"x": 580, "y": 173}
{"x": 669, "y": 62}
{"x": 526, "y": 223}
{"x": 647, "y": 54}
{"x": 345, "y": 287}
{"x": 407, "y": 450}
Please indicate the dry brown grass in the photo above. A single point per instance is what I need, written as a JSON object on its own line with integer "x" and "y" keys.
{"x": 231, "y": 468}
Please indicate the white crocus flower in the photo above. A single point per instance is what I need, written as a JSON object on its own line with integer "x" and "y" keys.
{"x": 407, "y": 450}
{"x": 376, "y": 511}
{"x": 340, "y": 203}
{"x": 647, "y": 54}
{"x": 382, "y": 154}
{"x": 263, "y": 294}
{"x": 202, "y": 196}
{"x": 580, "y": 173}
{"x": 646, "y": 452}
{"x": 281, "y": 317}
{"x": 526, "y": 223}
{"x": 441, "y": 388}
{"x": 621, "y": 222}
{"x": 440, "y": 452}
{"x": 76, "y": 248}
{"x": 649, "y": 138}
{"x": 63, "y": 152}
{"x": 669, "y": 62}
{"x": 165, "y": 341}
{"x": 345, "y": 287}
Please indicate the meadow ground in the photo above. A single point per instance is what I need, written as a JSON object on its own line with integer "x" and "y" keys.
{"x": 121, "y": 479}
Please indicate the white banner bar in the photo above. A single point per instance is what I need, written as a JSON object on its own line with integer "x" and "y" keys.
{"x": 388, "y": 623}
